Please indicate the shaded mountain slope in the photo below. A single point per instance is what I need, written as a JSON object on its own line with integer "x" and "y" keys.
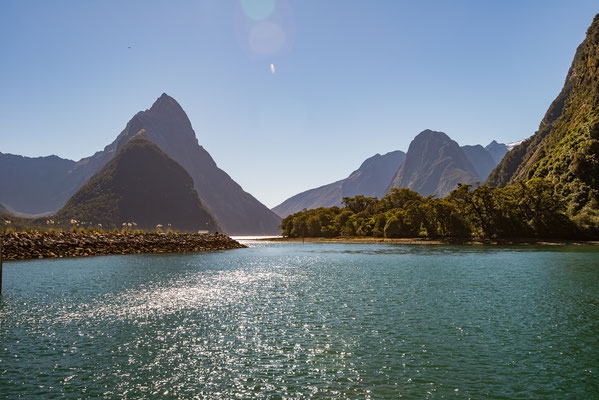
{"x": 497, "y": 150}
{"x": 142, "y": 185}
{"x": 323, "y": 196}
{"x": 434, "y": 165}
{"x": 374, "y": 175}
{"x": 565, "y": 148}
{"x": 481, "y": 160}
{"x": 34, "y": 185}
{"x": 370, "y": 179}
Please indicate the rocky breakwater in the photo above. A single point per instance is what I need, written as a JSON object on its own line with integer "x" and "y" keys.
{"x": 22, "y": 246}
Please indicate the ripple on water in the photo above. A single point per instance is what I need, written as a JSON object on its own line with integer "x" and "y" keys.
{"x": 305, "y": 321}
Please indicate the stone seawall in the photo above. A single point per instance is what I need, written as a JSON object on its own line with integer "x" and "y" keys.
{"x": 22, "y": 246}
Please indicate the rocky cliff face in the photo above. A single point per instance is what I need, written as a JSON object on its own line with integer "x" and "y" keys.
{"x": 142, "y": 185}
{"x": 434, "y": 165}
{"x": 565, "y": 149}
{"x": 371, "y": 179}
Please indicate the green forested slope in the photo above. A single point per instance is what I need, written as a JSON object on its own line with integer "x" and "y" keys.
{"x": 565, "y": 149}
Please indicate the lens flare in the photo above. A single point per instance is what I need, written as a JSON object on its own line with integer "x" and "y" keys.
{"x": 258, "y": 9}
{"x": 272, "y": 69}
{"x": 266, "y": 37}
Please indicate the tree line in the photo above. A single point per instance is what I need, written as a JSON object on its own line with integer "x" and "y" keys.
{"x": 527, "y": 209}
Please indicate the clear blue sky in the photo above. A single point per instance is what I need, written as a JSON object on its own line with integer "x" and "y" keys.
{"x": 353, "y": 78}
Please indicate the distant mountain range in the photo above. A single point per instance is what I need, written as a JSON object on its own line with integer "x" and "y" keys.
{"x": 481, "y": 160}
{"x": 433, "y": 165}
{"x": 45, "y": 184}
{"x": 371, "y": 179}
{"x": 565, "y": 149}
{"x": 35, "y": 185}
{"x": 140, "y": 184}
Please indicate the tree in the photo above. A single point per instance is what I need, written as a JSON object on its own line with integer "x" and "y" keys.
{"x": 300, "y": 226}
{"x": 358, "y": 203}
{"x": 399, "y": 197}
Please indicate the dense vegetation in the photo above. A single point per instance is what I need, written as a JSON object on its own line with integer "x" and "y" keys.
{"x": 525, "y": 209}
{"x": 565, "y": 149}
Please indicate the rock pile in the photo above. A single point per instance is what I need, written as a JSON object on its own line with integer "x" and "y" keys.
{"x": 22, "y": 246}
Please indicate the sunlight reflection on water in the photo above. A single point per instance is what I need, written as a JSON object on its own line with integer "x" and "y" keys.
{"x": 280, "y": 320}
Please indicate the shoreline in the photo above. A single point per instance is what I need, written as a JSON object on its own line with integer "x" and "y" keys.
{"x": 424, "y": 241}
{"x": 27, "y": 246}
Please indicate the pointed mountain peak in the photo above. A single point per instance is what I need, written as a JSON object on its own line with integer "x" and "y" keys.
{"x": 166, "y": 103}
{"x": 165, "y": 124}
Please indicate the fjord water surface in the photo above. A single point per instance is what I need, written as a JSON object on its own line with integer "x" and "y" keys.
{"x": 293, "y": 320}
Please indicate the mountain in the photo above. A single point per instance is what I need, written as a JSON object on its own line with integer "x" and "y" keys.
{"x": 323, "y": 196}
{"x": 434, "y": 165}
{"x": 373, "y": 176}
{"x": 142, "y": 185}
{"x": 481, "y": 160}
{"x": 565, "y": 148}
{"x": 370, "y": 179}
{"x": 497, "y": 150}
{"x": 35, "y": 185}
{"x": 167, "y": 125}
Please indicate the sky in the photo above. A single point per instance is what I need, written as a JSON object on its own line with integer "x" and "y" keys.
{"x": 285, "y": 95}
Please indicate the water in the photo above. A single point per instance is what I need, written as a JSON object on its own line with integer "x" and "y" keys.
{"x": 293, "y": 320}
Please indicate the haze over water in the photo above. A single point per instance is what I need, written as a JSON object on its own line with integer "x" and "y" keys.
{"x": 293, "y": 320}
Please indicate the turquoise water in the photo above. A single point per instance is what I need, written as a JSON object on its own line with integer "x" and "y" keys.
{"x": 293, "y": 320}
